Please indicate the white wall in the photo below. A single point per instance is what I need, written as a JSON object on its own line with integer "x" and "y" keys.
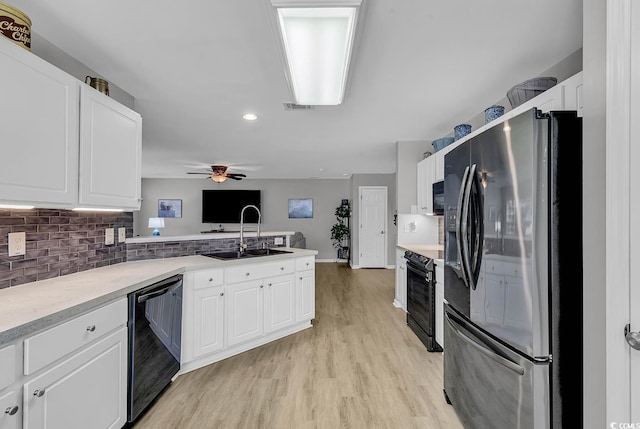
{"x": 56, "y": 56}
{"x": 327, "y": 195}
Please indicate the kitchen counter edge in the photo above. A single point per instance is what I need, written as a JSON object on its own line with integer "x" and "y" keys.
{"x": 34, "y": 306}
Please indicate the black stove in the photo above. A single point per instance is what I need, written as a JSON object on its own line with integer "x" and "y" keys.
{"x": 421, "y": 296}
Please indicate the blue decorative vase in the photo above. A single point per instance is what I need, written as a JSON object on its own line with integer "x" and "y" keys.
{"x": 461, "y": 130}
{"x": 493, "y": 113}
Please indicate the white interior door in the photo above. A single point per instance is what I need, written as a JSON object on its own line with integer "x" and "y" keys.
{"x": 372, "y": 241}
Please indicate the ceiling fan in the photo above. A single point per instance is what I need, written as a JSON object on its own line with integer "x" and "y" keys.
{"x": 219, "y": 174}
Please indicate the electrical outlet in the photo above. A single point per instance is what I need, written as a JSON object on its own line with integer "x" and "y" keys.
{"x": 108, "y": 236}
{"x": 17, "y": 243}
{"x": 278, "y": 241}
{"x": 122, "y": 235}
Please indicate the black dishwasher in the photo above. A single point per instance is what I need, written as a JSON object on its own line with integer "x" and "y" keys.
{"x": 155, "y": 321}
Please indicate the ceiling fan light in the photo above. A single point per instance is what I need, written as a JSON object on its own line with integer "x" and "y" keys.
{"x": 218, "y": 179}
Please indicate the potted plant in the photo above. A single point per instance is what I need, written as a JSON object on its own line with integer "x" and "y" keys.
{"x": 340, "y": 232}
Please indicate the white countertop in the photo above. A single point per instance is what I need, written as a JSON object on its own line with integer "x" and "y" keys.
{"x": 206, "y": 236}
{"x": 33, "y": 306}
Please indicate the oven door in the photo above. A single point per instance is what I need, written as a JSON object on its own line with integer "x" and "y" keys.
{"x": 421, "y": 305}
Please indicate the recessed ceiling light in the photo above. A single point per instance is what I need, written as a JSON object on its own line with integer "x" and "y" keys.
{"x": 250, "y": 116}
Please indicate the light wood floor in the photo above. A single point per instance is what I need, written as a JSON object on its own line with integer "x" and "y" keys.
{"x": 359, "y": 366}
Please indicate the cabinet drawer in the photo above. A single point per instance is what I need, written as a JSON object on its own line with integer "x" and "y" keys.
{"x": 257, "y": 271}
{"x": 8, "y": 365}
{"x": 46, "y": 347}
{"x": 206, "y": 278}
{"x": 306, "y": 263}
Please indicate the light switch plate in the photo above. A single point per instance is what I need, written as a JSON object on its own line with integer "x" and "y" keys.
{"x": 17, "y": 243}
{"x": 108, "y": 236}
{"x": 278, "y": 240}
{"x": 122, "y": 235}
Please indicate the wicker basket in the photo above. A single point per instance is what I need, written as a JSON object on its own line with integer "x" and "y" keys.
{"x": 528, "y": 89}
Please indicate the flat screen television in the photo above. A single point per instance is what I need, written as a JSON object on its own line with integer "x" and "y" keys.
{"x": 224, "y": 206}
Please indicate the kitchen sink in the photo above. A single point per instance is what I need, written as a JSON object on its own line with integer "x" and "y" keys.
{"x": 249, "y": 253}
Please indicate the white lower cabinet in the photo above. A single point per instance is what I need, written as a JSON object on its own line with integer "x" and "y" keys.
{"x": 306, "y": 295}
{"x": 86, "y": 390}
{"x": 279, "y": 303}
{"x": 231, "y": 310}
{"x": 72, "y": 375}
{"x": 208, "y": 327}
{"x": 401, "y": 280}
{"x": 245, "y": 309}
{"x": 10, "y": 410}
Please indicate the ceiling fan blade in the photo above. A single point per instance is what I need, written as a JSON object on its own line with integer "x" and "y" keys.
{"x": 190, "y": 172}
{"x": 236, "y": 175}
{"x": 229, "y": 176}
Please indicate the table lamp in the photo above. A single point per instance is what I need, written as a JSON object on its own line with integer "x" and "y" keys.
{"x": 156, "y": 222}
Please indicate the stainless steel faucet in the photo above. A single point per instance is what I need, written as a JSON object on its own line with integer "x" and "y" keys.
{"x": 242, "y": 245}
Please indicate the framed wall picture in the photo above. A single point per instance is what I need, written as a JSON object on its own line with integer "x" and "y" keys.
{"x": 300, "y": 208}
{"x": 169, "y": 208}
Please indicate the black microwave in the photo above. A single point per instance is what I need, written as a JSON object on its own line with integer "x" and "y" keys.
{"x": 438, "y": 198}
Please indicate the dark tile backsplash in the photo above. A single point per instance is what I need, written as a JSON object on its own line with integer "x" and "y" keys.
{"x": 59, "y": 242}
{"x": 170, "y": 249}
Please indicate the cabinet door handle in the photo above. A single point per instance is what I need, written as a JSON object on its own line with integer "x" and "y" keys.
{"x": 210, "y": 279}
{"x": 221, "y": 293}
{"x": 307, "y": 264}
{"x": 261, "y": 286}
{"x": 247, "y": 274}
{"x": 281, "y": 268}
{"x": 39, "y": 393}
{"x": 12, "y": 410}
{"x": 270, "y": 284}
{"x": 300, "y": 278}
{"x": 91, "y": 328}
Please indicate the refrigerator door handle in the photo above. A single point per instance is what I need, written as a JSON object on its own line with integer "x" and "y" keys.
{"x": 478, "y": 212}
{"x": 459, "y": 214}
{"x": 464, "y": 229}
{"x": 482, "y": 348}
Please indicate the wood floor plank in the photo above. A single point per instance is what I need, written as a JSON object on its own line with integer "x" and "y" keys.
{"x": 359, "y": 366}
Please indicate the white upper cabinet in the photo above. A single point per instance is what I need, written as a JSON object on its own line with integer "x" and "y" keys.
{"x": 110, "y": 152}
{"x": 65, "y": 144}
{"x": 425, "y": 176}
{"x": 39, "y": 112}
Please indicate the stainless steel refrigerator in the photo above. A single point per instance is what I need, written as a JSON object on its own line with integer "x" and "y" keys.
{"x": 513, "y": 274}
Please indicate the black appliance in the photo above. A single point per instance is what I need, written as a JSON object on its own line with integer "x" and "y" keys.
{"x": 421, "y": 297}
{"x": 513, "y": 274}
{"x": 155, "y": 314}
{"x": 438, "y": 198}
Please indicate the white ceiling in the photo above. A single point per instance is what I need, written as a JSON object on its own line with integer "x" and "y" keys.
{"x": 195, "y": 66}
